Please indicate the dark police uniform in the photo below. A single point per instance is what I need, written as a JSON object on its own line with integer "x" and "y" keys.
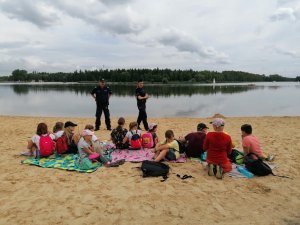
{"x": 102, "y": 101}
{"x": 141, "y": 104}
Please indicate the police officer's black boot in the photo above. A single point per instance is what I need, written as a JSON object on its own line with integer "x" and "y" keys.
{"x": 97, "y": 124}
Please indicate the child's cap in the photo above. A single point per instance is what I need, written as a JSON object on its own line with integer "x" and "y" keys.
{"x": 152, "y": 126}
{"x": 87, "y": 133}
{"x": 218, "y": 122}
{"x": 70, "y": 124}
{"x": 201, "y": 126}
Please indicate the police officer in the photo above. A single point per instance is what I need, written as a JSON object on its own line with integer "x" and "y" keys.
{"x": 141, "y": 97}
{"x": 101, "y": 94}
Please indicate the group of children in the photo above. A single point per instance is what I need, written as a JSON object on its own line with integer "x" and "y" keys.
{"x": 217, "y": 144}
{"x": 64, "y": 140}
{"x": 133, "y": 139}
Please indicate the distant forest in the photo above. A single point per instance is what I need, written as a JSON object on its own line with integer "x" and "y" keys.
{"x": 149, "y": 75}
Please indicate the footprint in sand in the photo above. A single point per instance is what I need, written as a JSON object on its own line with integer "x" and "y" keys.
{"x": 259, "y": 188}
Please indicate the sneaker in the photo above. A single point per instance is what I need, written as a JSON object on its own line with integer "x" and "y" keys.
{"x": 111, "y": 164}
{"x": 211, "y": 169}
{"x": 219, "y": 172}
{"x": 270, "y": 158}
{"x": 120, "y": 162}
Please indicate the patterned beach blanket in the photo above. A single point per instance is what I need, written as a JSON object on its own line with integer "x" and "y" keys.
{"x": 236, "y": 174}
{"x": 138, "y": 155}
{"x": 64, "y": 162}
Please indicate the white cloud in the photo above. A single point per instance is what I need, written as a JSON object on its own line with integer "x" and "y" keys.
{"x": 36, "y": 12}
{"x": 287, "y": 52}
{"x": 61, "y": 35}
{"x": 186, "y": 43}
{"x": 114, "y": 2}
{"x": 284, "y": 14}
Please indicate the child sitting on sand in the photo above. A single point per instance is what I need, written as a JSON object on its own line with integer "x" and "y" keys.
{"x": 118, "y": 134}
{"x": 133, "y": 129}
{"x": 87, "y": 153}
{"x": 71, "y": 136}
{"x": 92, "y": 128}
{"x": 218, "y": 145}
{"x": 168, "y": 149}
{"x": 58, "y": 130}
{"x": 153, "y": 130}
{"x": 251, "y": 144}
{"x": 193, "y": 142}
{"x": 150, "y": 139}
{"x": 41, "y": 144}
{"x": 95, "y": 140}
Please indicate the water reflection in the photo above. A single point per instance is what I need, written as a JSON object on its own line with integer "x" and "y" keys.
{"x": 129, "y": 90}
{"x": 20, "y": 89}
{"x": 167, "y": 100}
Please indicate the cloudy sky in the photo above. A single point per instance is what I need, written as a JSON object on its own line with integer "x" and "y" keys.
{"x": 64, "y": 35}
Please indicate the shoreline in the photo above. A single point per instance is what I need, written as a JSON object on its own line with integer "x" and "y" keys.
{"x": 34, "y": 195}
{"x": 152, "y": 118}
{"x": 186, "y": 83}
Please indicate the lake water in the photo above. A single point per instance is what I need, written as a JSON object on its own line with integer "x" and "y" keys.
{"x": 193, "y": 100}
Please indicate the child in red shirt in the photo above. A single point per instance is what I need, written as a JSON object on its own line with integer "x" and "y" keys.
{"x": 218, "y": 145}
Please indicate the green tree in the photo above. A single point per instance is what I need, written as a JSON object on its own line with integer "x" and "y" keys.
{"x": 19, "y": 75}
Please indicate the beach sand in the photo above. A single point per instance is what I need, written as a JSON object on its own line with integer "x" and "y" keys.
{"x": 33, "y": 195}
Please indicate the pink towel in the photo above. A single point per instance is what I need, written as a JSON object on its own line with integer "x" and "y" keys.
{"x": 138, "y": 155}
{"x": 181, "y": 159}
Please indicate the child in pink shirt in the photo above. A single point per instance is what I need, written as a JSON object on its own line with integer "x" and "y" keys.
{"x": 251, "y": 144}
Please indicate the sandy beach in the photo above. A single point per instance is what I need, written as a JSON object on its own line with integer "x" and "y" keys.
{"x": 33, "y": 195}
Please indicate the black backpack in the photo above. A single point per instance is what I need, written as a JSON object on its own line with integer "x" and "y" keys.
{"x": 182, "y": 147}
{"x": 256, "y": 166}
{"x": 155, "y": 169}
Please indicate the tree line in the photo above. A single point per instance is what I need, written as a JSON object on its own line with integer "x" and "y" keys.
{"x": 150, "y": 75}
{"x": 128, "y": 90}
